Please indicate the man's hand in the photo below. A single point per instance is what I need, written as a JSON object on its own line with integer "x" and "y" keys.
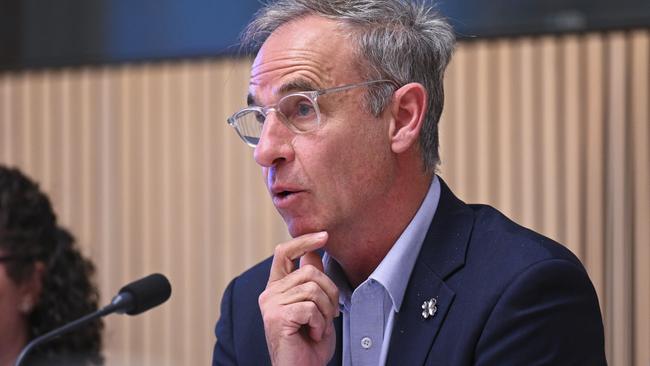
{"x": 298, "y": 306}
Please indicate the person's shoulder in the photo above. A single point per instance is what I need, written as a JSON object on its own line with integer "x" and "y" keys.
{"x": 506, "y": 240}
{"x": 254, "y": 279}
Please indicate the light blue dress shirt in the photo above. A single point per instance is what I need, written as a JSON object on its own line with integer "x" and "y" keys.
{"x": 368, "y": 311}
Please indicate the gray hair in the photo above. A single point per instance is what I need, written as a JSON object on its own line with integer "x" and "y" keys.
{"x": 397, "y": 40}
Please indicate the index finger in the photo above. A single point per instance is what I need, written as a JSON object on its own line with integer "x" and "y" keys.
{"x": 288, "y": 252}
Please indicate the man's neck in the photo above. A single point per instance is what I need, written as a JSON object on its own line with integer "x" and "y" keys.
{"x": 361, "y": 248}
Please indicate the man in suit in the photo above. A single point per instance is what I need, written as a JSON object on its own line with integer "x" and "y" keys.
{"x": 386, "y": 265}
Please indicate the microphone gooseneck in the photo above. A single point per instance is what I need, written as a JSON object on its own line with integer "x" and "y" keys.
{"x": 132, "y": 299}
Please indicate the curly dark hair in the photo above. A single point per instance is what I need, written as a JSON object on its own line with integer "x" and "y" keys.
{"x": 29, "y": 233}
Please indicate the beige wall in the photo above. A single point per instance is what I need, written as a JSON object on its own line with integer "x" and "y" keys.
{"x": 140, "y": 164}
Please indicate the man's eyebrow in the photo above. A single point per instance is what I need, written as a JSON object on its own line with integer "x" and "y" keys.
{"x": 297, "y": 85}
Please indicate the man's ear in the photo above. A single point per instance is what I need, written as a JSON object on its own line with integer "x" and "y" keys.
{"x": 408, "y": 107}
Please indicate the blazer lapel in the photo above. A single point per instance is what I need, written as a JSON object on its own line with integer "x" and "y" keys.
{"x": 442, "y": 253}
{"x": 412, "y": 334}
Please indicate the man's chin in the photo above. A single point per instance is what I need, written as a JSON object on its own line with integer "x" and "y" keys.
{"x": 298, "y": 228}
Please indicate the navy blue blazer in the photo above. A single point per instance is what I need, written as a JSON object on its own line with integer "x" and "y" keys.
{"x": 505, "y": 296}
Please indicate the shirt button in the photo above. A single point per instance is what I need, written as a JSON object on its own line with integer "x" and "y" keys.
{"x": 366, "y": 342}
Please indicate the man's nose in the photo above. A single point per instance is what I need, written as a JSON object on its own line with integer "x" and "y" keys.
{"x": 274, "y": 145}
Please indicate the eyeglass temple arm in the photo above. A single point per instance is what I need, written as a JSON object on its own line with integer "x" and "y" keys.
{"x": 346, "y": 87}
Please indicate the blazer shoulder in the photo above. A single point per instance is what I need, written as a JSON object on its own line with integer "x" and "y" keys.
{"x": 240, "y": 324}
{"x": 495, "y": 233}
{"x": 253, "y": 280}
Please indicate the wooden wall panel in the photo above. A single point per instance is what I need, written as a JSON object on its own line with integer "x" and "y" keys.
{"x": 551, "y": 127}
{"x": 618, "y": 206}
{"x": 594, "y": 211}
{"x": 639, "y": 154}
{"x": 570, "y": 154}
{"x": 140, "y": 164}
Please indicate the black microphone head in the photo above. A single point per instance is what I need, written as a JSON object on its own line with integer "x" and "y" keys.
{"x": 146, "y": 293}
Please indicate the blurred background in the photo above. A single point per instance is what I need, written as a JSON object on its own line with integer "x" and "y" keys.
{"x": 118, "y": 109}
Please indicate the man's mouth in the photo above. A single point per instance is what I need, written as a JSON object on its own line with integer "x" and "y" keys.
{"x": 284, "y": 194}
{"x": 280, "y": 190}
{"x": 283, "y": 198}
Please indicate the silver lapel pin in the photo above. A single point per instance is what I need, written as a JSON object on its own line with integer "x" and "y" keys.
{"x": 429, "y": 308}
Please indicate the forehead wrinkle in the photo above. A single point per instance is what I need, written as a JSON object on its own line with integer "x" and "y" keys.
{"x": 284, "y": 68}
{"x": 289, "y": 56}
{"x": 290, "y": 60}
{"x": 284, "y": 72}
{"x": 295, "y": 64}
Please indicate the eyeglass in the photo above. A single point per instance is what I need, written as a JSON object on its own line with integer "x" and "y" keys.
{"x": 298, "y": 111}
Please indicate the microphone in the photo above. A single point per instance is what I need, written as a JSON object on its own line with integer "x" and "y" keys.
{"x": 142, "y": 295}
{"x": 132, "y": 299}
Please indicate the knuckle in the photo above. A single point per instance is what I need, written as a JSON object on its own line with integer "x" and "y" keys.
{"x": 312, "y": 289}
{"x": 262, "y": 296}
{"x": 310, "y": 270}
{"x": 261, "y": 300}
{"x": 335, "y": 292}
{"x": 266, "y": 296}
{"x": 311, "y": 307}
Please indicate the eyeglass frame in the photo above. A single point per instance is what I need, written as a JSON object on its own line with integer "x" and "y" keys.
{"x": 312, "y": 95}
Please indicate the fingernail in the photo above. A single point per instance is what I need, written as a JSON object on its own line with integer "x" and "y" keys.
{"x": 321, "y": 235}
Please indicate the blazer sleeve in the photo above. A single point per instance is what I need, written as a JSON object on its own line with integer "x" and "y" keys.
{"x": 224, "y": 349}
{"x": 548, "y": 315}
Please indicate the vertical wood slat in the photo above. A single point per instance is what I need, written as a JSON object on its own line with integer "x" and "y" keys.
{"x": 207, "y": 278}
{"x": 26, "y": 86}
{"x": 447, "y": 145}
{"x": 594, "y": 206}
{"x": 65, "y": 120}
{"x": 527, "y": 121}
{"x": 466, "y": 135}
{"x": 507, "y": 120}
{"x": 482, "y": 87}
{"x": 617, "y": 211}
{"x": 573, "y": 127}
{"x": 640, "y": 139}
{"x": 515, "y": 128}
{"x": 457, "y": 101}
{"x": 141, "y": 165}
{"x": 550, "y": 128}
{"x": 147, "y": 132}
{"x": 6, "y": 115}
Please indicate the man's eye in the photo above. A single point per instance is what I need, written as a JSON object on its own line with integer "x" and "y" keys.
{"x": 304, "y": 110}
{"x": 260, "y": 118}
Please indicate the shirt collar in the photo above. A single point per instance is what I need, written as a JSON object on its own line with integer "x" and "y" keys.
{"x": 395, "y": 269}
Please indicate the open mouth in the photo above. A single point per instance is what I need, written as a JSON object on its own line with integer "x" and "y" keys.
{"x": 284, "y": 194}
{"x": 284, "y": 199}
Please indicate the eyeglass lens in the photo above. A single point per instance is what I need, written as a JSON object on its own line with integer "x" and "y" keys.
{"x": 297, "y": 111}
